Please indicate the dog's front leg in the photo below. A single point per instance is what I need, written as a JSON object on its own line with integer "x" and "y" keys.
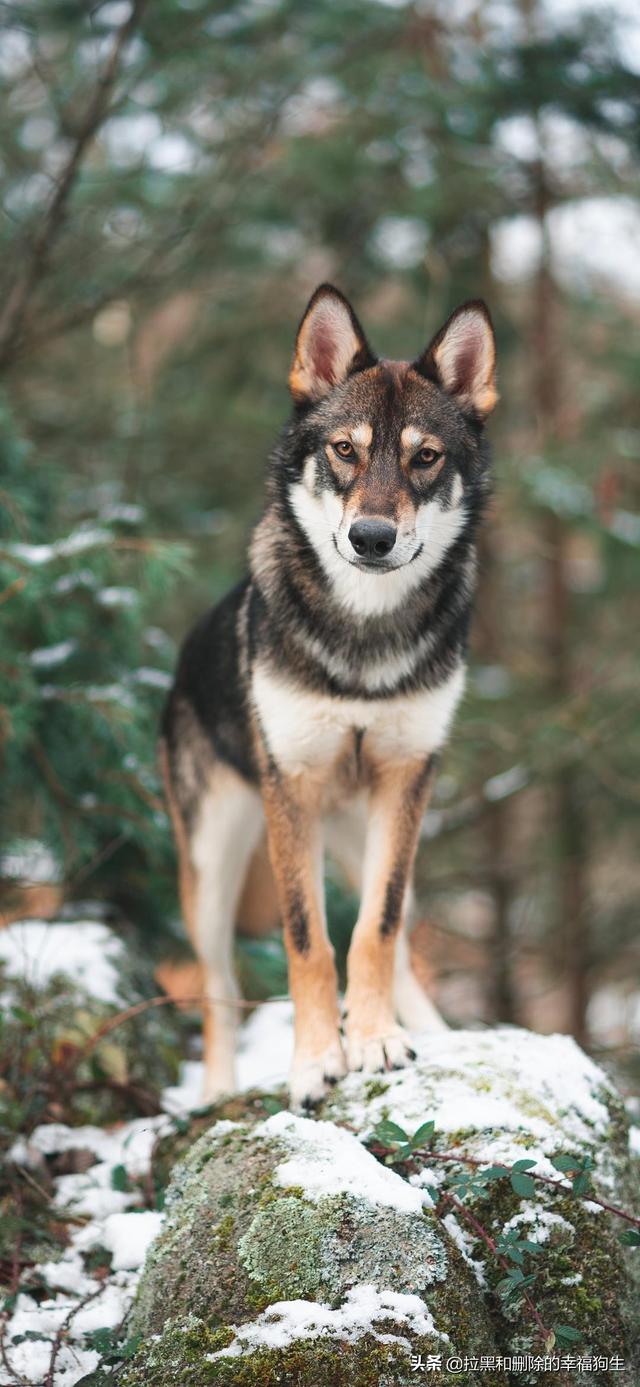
{"x": 397, "y": 802}
{"x": 296, "y": 850}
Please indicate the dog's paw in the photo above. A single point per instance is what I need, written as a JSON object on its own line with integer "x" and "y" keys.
{"x": 311, "y": 1076}
{"x": 375, "y": 1053}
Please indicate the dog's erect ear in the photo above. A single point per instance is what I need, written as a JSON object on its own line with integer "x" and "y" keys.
{"x": 461, "y": 359}
{"x": 330, "y": 345}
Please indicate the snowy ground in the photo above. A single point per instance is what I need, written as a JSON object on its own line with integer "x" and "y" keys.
{"x": 112, "y": 1218}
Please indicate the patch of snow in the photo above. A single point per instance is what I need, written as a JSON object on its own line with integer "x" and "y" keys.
{"x": 129, "y": 1236}
{"x": 186, "y": 1095}
{"x": 49, "y": 656}
{"x": 109, "y": 693}
{"x": 265, "y": 1048}
{"x": 129, "y": 1145}
{"x": 464, "y": 1244}
{"x": 151, "y": 678}
{"x": 30, "y": 860}
{"x": 111, "y": 1223}
{"x": 117, "y": 597}
{"x": 86, "y": 537}
{"x": 82, "y": 578}
{"x": 634, "y": 1141}
{"x": 541, "y": 1219}
{"x": 288, "y": 1320}
{"x": 85, "y": 952}
{"x": 327, "y": 1160}
{"x": 266, "y": 1045}
{"x": 30, "y": 1363}
{"x": 127, "y": 513}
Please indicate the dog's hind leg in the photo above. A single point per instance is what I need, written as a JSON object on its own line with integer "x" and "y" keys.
{"x": 214, "y": 853}
{"x": 413, "y": 1007}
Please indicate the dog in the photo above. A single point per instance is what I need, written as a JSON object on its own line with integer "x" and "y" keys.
{"x": 309, "y": 706}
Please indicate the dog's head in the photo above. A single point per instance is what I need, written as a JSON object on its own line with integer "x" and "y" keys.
{"x": 389, "y": 454}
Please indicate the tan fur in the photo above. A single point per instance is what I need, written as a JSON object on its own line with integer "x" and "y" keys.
{"x": 397, "y": 803}
{"x": 293, "y": 808}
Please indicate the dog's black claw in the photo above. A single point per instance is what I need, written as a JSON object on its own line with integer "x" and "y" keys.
{"x": 331, "y": 1079}
{"x": 412, "y": 1056}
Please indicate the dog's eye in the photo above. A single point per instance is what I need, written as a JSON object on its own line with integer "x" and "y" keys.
{"x": 426, "y": 457}
{"x": 344, "y": 449}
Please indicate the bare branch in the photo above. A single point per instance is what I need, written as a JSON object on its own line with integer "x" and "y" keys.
{"x": 26, "y": 282}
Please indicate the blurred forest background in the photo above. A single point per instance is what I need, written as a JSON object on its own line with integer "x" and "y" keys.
{"x": 177, "y": 176}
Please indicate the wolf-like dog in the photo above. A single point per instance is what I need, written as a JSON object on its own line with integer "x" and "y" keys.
{"x": 310, "y": 705}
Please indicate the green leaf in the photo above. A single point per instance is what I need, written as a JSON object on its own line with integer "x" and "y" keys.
{"x": 272, "y": 1105}
{"x": 515, "y": 1254}
{"x": 389, "y": 1133}
{"x": 630, "y": 1237}
{"x": 565, "y": 1163}
{"x": 530, "y": 1246}
{"x": 495, "y": 1172}
{"x": 566, "y": 1334}
{"x": 582, "y": 1183}
{"x": 26, "y": 1018}
{"x": 423, "y": 1134}
{"x": 524, "y": 1165}
{"x": 522, "y": 1185}
{"x": 120, "y": 1179}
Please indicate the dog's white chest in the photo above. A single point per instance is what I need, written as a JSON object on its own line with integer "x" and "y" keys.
{"x": 306, "y": 730}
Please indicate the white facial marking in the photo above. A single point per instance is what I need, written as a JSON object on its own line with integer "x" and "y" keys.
{"x": 306, "y": 730}
{"x": 411, "y": 437}
{"x": 361, "y": 435}
{"x": 457, "y": 492}
{"x": 309, "y": 473}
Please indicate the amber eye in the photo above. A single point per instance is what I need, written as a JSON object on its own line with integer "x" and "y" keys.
{"x": 344, "y": 449}
{"x": 426, "y": 457}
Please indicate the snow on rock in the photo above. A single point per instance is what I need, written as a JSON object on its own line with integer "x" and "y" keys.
{"x": 326, "y": 1160}
{"x": 505, "y": 1082}
{"x": 363, "y": 1306}
{"x": 129, "y": 1236}
{"x": 84, "y": 951}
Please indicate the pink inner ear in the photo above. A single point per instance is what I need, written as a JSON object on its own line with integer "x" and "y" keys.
{"x": 322, "y": 351}
{"x": 466, "y": 363}
{"x": 463, "y": 354}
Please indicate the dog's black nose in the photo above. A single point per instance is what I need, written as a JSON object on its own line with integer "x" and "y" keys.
{"x": 372, "y": 539}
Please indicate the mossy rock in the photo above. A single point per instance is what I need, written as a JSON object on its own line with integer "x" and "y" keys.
{"x": 291, "y": 1255}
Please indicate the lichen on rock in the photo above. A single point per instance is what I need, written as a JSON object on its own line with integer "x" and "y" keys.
{"x": 291, "y": 1254}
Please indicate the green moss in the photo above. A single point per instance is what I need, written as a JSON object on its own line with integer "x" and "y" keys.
{"x": 223, "y": 1232}
{"x": 375, "y": 1088}
{"x": 183, "y": 1356}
